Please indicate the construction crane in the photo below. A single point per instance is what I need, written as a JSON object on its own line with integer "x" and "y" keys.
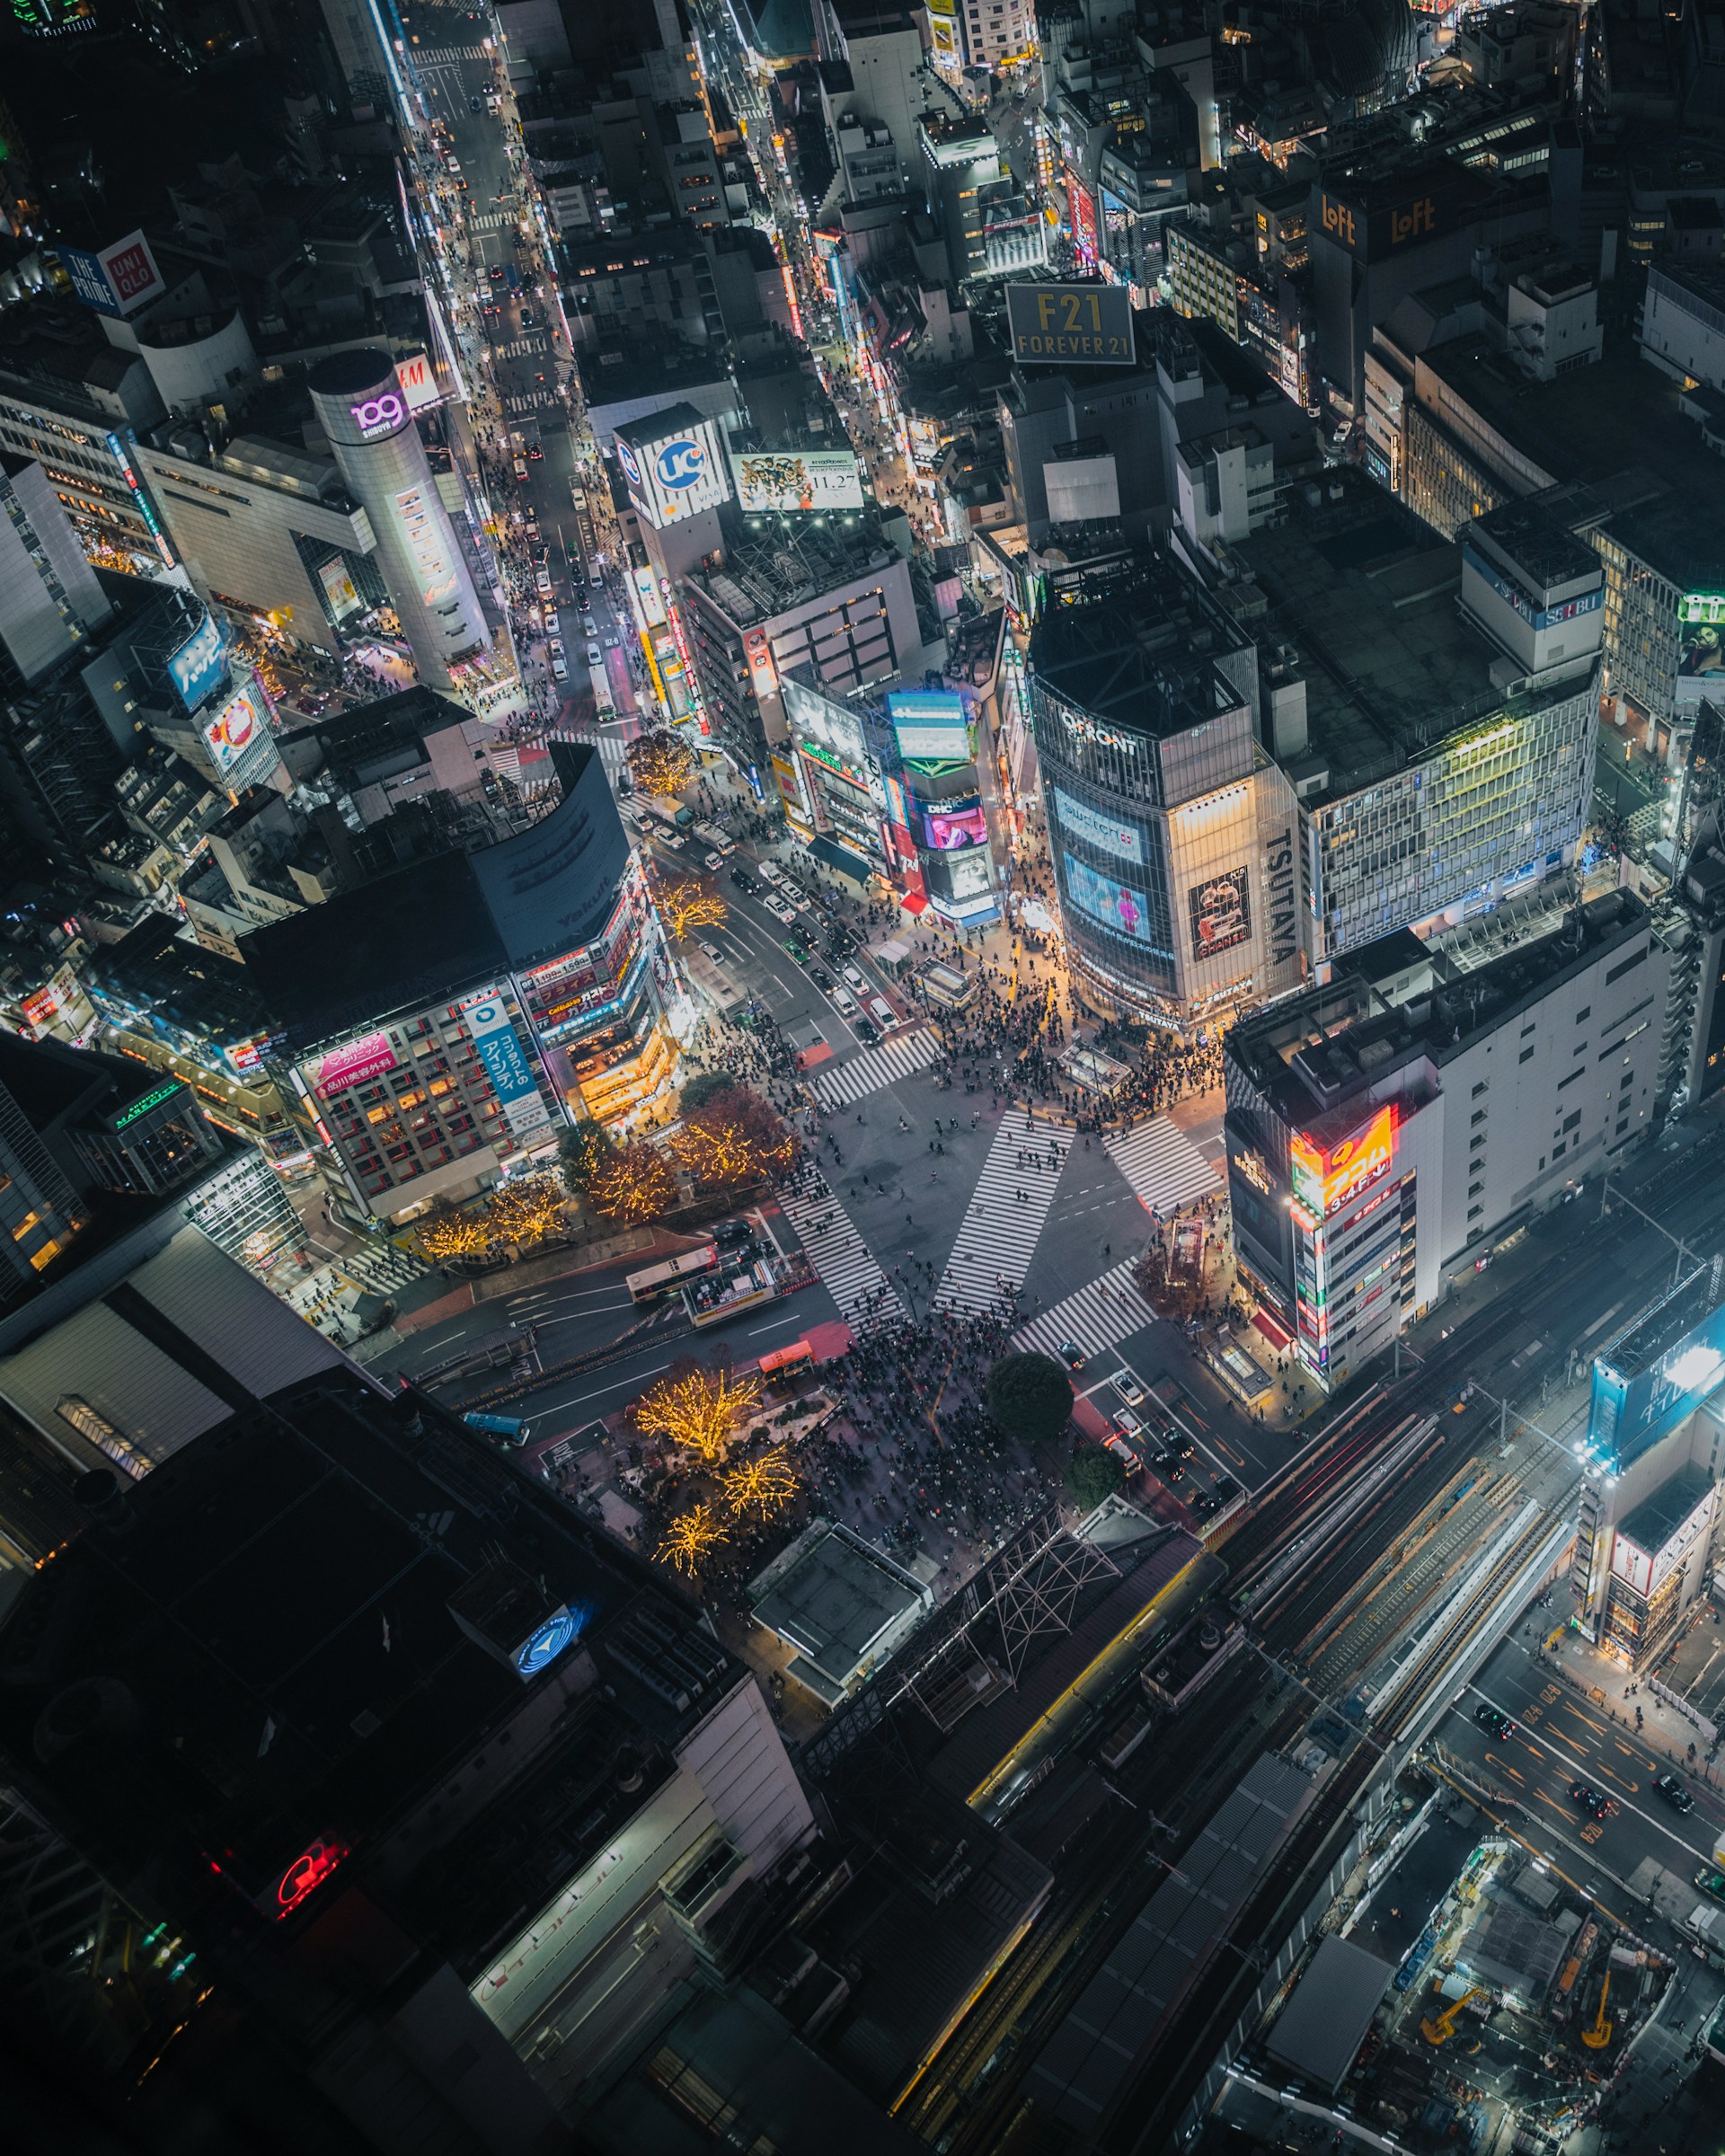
{"x": 1444, "y": 2027}
{"x": 1596, "y": 2038}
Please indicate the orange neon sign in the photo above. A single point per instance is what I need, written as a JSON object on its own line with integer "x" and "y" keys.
{"x": 1324, "y": 1182}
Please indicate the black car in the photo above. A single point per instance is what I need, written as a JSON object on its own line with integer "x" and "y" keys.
{"x": 1170, "y": 1466}
{"x": 821, "y": 980}
{"x": 1677, "y": 1794}
{"x": 866, "y": 1031}
{"x": 744, "y": 881}
{"x": 1494, "y": 1724}
{"x": 1227, "y": 1487}
{"x": 1590, "y": 1800}
{"x": 1204, "y": 1502}
{"x": 1071, "y": 1354}
{"x": 472, "y": 104}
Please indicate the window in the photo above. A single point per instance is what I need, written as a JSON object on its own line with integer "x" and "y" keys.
{"x": 1570, "y": 1121}
{"x": 1480, "y": 1087}
{"x": 1474, "y": 1189}
{"x": 1473, "y": 1212}
{"x": 1628, "y": 965}
{"x": 1526, "y": 1053}
{"x": 1480, "y": 1115}
{"x": 1584, "y": 1011}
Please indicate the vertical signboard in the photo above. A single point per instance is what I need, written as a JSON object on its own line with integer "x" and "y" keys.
{"x": 506, "y": 1064}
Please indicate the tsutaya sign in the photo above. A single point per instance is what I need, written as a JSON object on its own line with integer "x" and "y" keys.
{"x": 1283, "y": 925}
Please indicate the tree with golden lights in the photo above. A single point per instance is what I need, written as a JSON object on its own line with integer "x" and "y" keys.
{"x": 692, "y": 1537}
{"x": 763, "y": 1486}
{"x": 660, "y": 762}
{"x": 732, "y": 1139}
{"x": 526, "y": 1210}
{"x": 446, "y": 1234}
{"x": 695, "y": 1407}
{"x": 633, "y": 1183}
{"x": 685, "y": 905}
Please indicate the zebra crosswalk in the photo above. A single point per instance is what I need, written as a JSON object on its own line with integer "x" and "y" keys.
{"x": 865, "y": 1298}
{"x": 899, "y": 1056}
{"x": 379, "y": 1266}
{"x": 1097, "y": 1316}
{"x": 489, "y": 220}
{"x": 544, "y": 401}
{"x": 525, "y": 346}
{"x": 1165, "y": 1169}
{"x": 998, "y": 1236}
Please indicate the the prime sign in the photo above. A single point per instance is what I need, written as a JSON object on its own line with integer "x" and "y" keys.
{"x": 1071, "y": 325}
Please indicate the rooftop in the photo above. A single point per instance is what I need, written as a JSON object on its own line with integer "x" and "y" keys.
{"x": 833, "y": 1603}
{"x": 1319, "y": 2032}
{"x": 1314, "y": 1053}
{"x": 774, "y": 563}
{"x": 1369, "y": 600}
{"x": 1656, "y": 1519}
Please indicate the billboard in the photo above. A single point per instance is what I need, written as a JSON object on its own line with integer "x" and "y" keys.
{"x": 199, "y": 667}
{"x": 1325, "y": 1181}
{"x": 118, "y": 279}
{"x": 1071, "y": 325}
{"x": 338, "y": 589}
{"x": 418, "y": 384}
{"x": 367, "y": 1057}
{"x": 506, "y": 1064}
{"x": 1081, "y": 205}
{"x": 232, "y": 731}
{"x": 1117, "y": 906}
{"x": 1108, "y": 833}
{"x": 1630, "y": 1413}
{"x": 797, "y": 479}
{"x": 929, "y": 725}
{"x": 948, "y": 826}
{"x": 1384, "y": 219}
{"x": 423, "y": 529}
{"x": 1221, "y": 911}
{"x": 673, "y": 473}
{"x": 1700, "y": 646}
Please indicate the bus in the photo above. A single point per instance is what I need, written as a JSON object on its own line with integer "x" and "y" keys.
{"x": 602, "y": 696}
{"x": 786, "y": 1362}
{"x": 656, "y": 1280}
{"x": 717, "y": 1301}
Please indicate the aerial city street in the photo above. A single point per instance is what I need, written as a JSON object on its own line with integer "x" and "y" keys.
{"x": 862, "y": 1078}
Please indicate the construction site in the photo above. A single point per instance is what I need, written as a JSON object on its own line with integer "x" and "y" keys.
{"x": 1458, "y": 1993}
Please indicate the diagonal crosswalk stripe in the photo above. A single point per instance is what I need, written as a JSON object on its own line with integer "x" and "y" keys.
{"x": 865, "y": 1298}
{"x": 1093, "y": 1317}
{"x": 1000, "y": 1230}
{"x": 1165, "y": 1169}
{"x": 900, "y": 1056}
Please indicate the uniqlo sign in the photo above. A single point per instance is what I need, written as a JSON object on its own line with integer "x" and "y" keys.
{"x": 119, "y": 280}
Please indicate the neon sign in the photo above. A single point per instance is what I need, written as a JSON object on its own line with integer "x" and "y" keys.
{"x": 142, "y": 1107}
{"x": 307, "y": 1873}
{"x": 1324, "y": 1182}
{"x": 378, "y": 415}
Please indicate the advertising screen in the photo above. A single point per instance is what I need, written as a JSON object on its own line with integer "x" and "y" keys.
{"x": 797, "y": 479}
{"x": 1323, "y": 1182}
{"x": 1221, "y": 913}
{"x": 367, "y": 1057}
{"x": 1117, "y": 906}
{"x": 506, "y": 1065}
{"x": 954, "y": 825}
{"x": 1082, "y": 204}
{"x": 1631, "y": 1412}
{"x": 419, "y": 524}
{"x": 232, "y": 731}
{"x": 929, "y": 725}
{"x": 1071, "y": 325}
{"x": 1108, "y": 833}
{"x": 115, "y": 280}
{"x": 199, "y": 667}
{"x": 338, "y": 589}
{"x": 1700, "y": 646}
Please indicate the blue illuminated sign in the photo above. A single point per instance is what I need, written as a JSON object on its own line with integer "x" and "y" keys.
{"x": 1628, "y": 1416}
{"x": 549, "y": 1641}
{"x": 681, "y": 464}
{"x": 199, "y": 667}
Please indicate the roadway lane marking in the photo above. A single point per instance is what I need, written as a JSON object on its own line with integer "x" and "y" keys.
{"x": 777, "y": 1325}
{"x": 556, "y": 1406}
{"x": 1581, "y": 1760}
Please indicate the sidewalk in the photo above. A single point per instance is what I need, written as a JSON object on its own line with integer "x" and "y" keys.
{"x": 1604, "y": 1680}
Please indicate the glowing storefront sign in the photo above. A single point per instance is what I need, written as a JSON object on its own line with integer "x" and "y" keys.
{"x": 367, "y": 1057}
{"x": 1324, "y": 1182}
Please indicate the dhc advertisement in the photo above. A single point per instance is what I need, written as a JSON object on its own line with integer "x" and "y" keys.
{"x": 1628, "y": 1415}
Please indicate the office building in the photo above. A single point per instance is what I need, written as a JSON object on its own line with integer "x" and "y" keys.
{"x": 1174, "y": 838}
{"x": 50, "y": 598}
{"x": 1388, "y": 1130}
{"x": 448, "y": 1018}
{"x": 439, "y": 1845}
{"x": 836, "y": 599}
{"x": 371, "y": 431}
{"x": 1443, "y": 753}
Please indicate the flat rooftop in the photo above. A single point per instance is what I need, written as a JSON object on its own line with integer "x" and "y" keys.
{"x": 834, "y": 1601}
{"x": 1656, "y": 1519}
{"x": 1369, "y": 600}
{"x": 1143, "y": 656}
{"x": 1647, "y": 1335}
{"x": 1319, "y": 2032}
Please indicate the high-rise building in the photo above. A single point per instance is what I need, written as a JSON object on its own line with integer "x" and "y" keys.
{"x": 455, "y": 1015}
{"x": 50, "y": 598}
{"x": 376, "y": 441}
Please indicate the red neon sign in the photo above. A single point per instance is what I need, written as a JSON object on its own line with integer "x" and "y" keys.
{"x": 308, "y": 1872}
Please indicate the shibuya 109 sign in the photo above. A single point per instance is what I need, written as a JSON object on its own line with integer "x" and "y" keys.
{"x": 378, "y": 415}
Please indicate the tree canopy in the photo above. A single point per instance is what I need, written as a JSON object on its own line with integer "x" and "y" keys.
{"x": 1030, "y": 1397}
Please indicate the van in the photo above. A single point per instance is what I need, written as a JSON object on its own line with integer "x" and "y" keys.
{"x": 882, "y": 1012}
{"x": 853, "y": 976}
{"x": 771, "y": 872}
{"x": 843, "y": 1000}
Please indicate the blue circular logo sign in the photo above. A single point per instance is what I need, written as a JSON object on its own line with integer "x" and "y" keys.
{"x": 680, "y": 465}
{"x": 546, "y": 1644}
{"x": 626, "y": 458}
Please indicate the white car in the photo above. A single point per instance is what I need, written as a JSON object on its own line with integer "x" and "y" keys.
{"x": 854, "y": 978}
{"x": 551, "y": 623}
{"x": 780, "y": 911}
{"x": 595, "y": 657}
{"x": 714, "y": 953}
{"x": 843, "y": 1000}
{"x": 713, "y": 861}
{"x": 554, "y": 645}
{"x": 1127, "y": 1387}
{"x": 882, "y": 1012}
{"x": 559, "y": 671}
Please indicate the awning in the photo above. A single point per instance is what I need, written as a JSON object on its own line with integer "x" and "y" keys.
{"x": 1276, "y": 1333}
{"x": 854, "y": 865}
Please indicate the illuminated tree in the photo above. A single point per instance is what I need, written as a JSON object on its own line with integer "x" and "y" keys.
{"x": 733, "y": 1137}
{"x": 698, "y": 1408}
{"x": 659, "y": 762}
{"x": 692, "y": 1537}
{"x": 685, "y": 905}
{"x": 765, "y": 1486}
{"x": 527, "y": 1209}
{"x": 633, "y": 1183}
{"x": 447, "y": 1234}
{"x": 582, "y": 1152}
